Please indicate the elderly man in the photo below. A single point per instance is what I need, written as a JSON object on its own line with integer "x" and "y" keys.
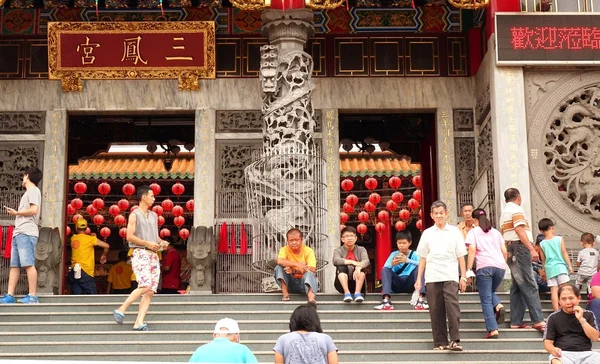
{"x": 226, "y": 347}
{"x": 467, "y": 224}
{"x": 296, "y": 267}
{"x": 350, "y": 260}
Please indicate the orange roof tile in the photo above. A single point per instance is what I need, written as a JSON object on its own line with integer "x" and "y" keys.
{"x": 377, "y": 164}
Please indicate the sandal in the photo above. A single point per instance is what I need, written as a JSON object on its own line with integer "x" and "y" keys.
{"x": 119, "y": 317}
{"x": 500, "y": 315}
{"x": 142, "y": 327}
{"x": 285, "y": 298}
{"x": 520, "y": 326}
{"x": 441, "y": 347}
{"x": 490, "y": 336}
{"x": 540, "y": 326}
{"x": 454, "y": 346}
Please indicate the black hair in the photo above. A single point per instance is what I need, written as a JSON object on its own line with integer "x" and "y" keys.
{"x": 511, "y": 194}
{"x": 293, "y": 230}
{"x": 466, "y": 204}
{"x": 305, "y": 317}
{"x": 437, "y": 204}
{"x": 571, "y": 287}
{"x": 545, "y": 224}
{"x": 123, "y": 256}
{"x": 539, "y": 238}
{"x": 484, "y": 222}
{"x": 142, "y": 191}
{"x": 404, "y": 234}
{"x": 34, "y": 174}
{"x": 587, "y": 238}
{"x": 347, "y": 229}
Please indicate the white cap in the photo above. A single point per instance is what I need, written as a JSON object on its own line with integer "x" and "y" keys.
{"x": 227, "y": 326}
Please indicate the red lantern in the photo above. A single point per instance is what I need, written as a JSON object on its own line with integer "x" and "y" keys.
{"x": 80, "y": 188}
{"x": 91, "y": 210}
{"x": 351, "y": 199}
{"x": 98, "y": 219}
{"x": 161, "y": 221}
{"x": 68, "y": 231}
{"x": 421, "y": 213}
{"x": 104, "y": 188}
{"x": 128, "y": 189}
{"x": 417, "y": 195}
{"x": 383, "y": 215}
{"x": 119, "y": 219}
{"x": 397, "y": 197}
{"x": 177, "y": 211}
{"x": 363, "y": 216}
{"x": 374, "y": 198}
{"x": 190, "y": 205}
{"x": 133, "y": 208}
{"x": 167, "y": 204}
{"x": 420, "y": 225}
{"x": 155, "y": 187}
{"x": 348, "y": 208}
{"x": 416, "y": 181}
{"x": 88, "y": 231}
{"x": 380, "y": 227}
{"x": 114, "y": 210}
{"x": 123, "y": 204}
{"x": 179, "y": 221}
{"x": 165, "y": 233}
{"x": 70, "y": 210}
{"x": 76, "y": 217}
{"x": 123, "y": 233}
{"x": 371, "y": 183}
{"x": 184, "y": 233}
{"x": 404, "y": 214}
{"x": 400, "y": 225}
{"x": 342, "y": 226}
{"x": 347, "y": 184}
{"x": 391, "y": 205}
{"x": 361, "y": 228}
{"x": 178, "y": 189}
{"x": 370, "y": 207}
{"x": 157, "y": 210}
{"x": 98, "y": 203}
{"x": 394, "y": 182}
{"x": 413, "y": 204}
{"x": 344, "y": 217}
{"x": 105, "y": 232}
{"x": 76, "y": 203}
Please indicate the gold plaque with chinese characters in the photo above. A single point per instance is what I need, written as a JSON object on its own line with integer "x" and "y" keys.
{"x": 131, "y": 50}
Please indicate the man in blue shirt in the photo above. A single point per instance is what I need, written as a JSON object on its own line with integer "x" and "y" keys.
{"x": 225, "y": 348}
{"x": 399, "y": 274}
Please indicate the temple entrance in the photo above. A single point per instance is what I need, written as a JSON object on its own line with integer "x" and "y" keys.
{"x": 109, "y": 157}
{"x": 387, "y": 173}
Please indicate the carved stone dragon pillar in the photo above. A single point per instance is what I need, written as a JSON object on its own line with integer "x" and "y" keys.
{"x": 201, "y": 250}
{"x": 48, "y": 256}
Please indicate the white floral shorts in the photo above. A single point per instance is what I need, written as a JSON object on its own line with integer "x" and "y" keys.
{"x": 146, "y": 267}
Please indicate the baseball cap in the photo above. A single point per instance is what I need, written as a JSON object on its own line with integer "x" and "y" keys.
{"x": 81, "y": 224}
{"x": 227, "y": 326}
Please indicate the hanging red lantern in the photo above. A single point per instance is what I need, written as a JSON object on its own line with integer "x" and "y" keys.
{"x": 361, "y": 229}
{"x": 190, "y": 205}
{"x": 76, "y": 217}
{"x": 167, "y": 204}
{"x": 363, "y": 216}
{"x": 179, "y": 221}
{"x": 369, "y": 207}
{"x": 391, "y": 205}
{"x": 347, "y": 184}
{"x": 105, "y": 232}
{"x": 397, "y": 197}
{"x": 155, "y": 187}
{"x": 165, "y": 233}
{"x": 91, "y": 210}
{"x": 88, "y": 231}
{"x": 351, "y": 199}
{"x": 371, "y": 183}
{"x": 344, "y": 217}
{"x": 383, "y": 215}
{"x": 342, "y": 227}
{"x": 404, "y": 214}
{"x": 417, "y": 195}
{"x": 394, "y": 182}
{"x": 420, "y": 225}
{"x": 98, "y": 219}
{"x": 161, "y": 221}
{"x": 80, "y": 188}
{"x": 123, "y": 204}
{"x": 400, "y": 225}
{"x": 133, "y": 208}
{"x": 76, "y": 203}
{"x": 184, "y": 233}
{"x": 70, "y": 210}
{"x": 98, "y": 203}
{"x": 68, "y": 231}
{"x": 420, "y": 213}
{"x": 413, "y": 204}
{"x": 348, "y": 208}
{"x": 157, "y": 210}
{"x": 123, "y": 233}
{"x": 128, "y": 189}
{"x": 416, "y": 181}
{"x": 177, "y": 211}
{"x": 104, "y": 188}
{"x": 178, "y": 189}
{"x": 374, "y": 198}
{"x": 119, "y": 219}
{"x": 114, "y": 210}
{"x": 380, "y": 227}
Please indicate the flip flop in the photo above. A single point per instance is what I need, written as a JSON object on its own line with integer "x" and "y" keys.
{"x": 441, "y": 347}
{"x": 540, "y": 326}
{"x": 520, "y": 326}
{"x": 454, "y": 346}
{"x": 285, "y": 298}
{"x": 142, "y": 327}
{"x": 119, "y": 317}
{"x": 500, "y": 315}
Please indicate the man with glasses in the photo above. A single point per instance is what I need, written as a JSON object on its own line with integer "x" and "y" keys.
{"x": 350, "y": 260}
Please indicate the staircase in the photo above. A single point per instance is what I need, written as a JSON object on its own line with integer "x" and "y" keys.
{"x": 82, "y": 328}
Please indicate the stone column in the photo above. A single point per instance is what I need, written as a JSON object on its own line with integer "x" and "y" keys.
{"x": 445, "y": 163}
{"x": 288, "y": 30}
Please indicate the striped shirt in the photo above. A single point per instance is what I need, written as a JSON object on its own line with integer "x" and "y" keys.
{"x": 513, "y": 216}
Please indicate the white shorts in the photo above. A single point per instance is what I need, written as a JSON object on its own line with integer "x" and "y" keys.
{"x": 578, "y": 357}
{"x": 558, "y": 280}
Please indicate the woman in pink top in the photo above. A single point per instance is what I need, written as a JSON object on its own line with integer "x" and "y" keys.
{"x": 486, "y": 246}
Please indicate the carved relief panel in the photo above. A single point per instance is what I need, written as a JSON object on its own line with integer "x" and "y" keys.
{"x": 464, "y": 148}
{"x": 248, "y": 121}
{"x": 22, "y": 122}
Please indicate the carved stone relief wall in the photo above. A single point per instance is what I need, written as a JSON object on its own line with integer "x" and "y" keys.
{"x": 464, "y": 149}
{"x": 248, "y": 121}
{"x": 485, "y": 152}
{"x": 564, "y": 149}
{"x": 22, "y": 122}
{"x": 463, "y": 119}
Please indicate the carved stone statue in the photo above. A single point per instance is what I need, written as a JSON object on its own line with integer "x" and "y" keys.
{"x": 48, "y": 257}
{"x": 201, "y": 250}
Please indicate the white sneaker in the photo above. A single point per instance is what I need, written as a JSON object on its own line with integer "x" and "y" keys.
{"x": 385, "y": 305}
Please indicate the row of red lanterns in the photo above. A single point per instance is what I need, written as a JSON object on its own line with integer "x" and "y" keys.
{"x": 128, "y": 188}
{"x": 105, "y": 232}
{"x": 123, "y": 204}
{"x": 371, "y": 183}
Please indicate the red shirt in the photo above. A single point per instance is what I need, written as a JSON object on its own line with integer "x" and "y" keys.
{"x": 172, "y": 278}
